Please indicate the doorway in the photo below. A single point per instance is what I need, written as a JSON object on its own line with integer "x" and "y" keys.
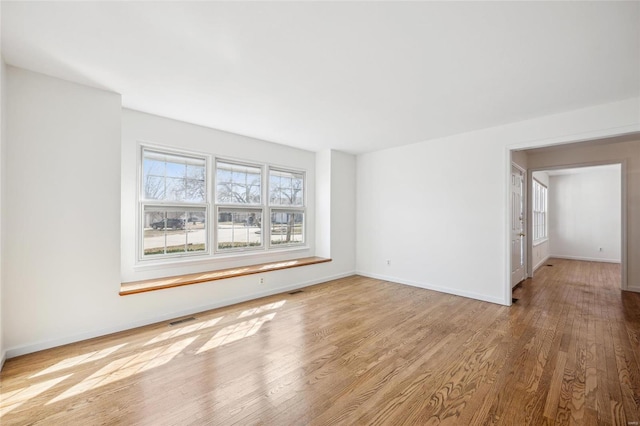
{"x": 620, "y": 149}
{"x": 582, "y": 218}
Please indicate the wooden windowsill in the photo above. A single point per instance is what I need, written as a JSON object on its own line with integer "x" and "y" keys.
{"x": 134, "y": 287}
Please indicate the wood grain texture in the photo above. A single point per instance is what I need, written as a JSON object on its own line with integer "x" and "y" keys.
{"x": 134, "y": 287}
{"x": 357, "y": 351}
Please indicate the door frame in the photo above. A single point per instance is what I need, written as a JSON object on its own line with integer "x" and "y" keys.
{"x": 525, "y": 219}
{"x": 628, "y": 131}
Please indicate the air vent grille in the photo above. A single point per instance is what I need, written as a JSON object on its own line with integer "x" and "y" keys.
{"x": 180, "y": 321}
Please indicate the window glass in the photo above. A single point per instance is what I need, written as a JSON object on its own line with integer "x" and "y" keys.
{"x": 287, "y": 227}
{"x": 539, "y": 211}
{"x": 169, "y": 177}
{"x": 238, "y": 184}
{"x": 173, "y": 231}
{"x": 286, "y": 188}
{"x": 239, "y": 228}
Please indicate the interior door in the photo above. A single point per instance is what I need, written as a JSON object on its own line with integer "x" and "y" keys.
{"x": 517, "y": 226}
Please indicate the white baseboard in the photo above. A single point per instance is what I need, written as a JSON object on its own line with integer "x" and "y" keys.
{"x": 635, "y": 289}
{"x": 27, "y": 349}
{"x": 542, "y": 262}
{"x": 427, "y": 286}
{"x": 586, "y": 259}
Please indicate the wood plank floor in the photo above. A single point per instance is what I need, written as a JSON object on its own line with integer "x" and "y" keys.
{"x": 357, "y": 351}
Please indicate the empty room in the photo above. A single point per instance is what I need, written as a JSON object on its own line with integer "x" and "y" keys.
{"x": 323, "y": 213}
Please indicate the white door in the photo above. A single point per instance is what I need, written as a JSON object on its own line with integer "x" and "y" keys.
{"x": 517, "y": 226}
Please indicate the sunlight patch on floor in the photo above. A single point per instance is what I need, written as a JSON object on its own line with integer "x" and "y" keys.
{"x": 78, "y": 360}
{"x": 14, "y": 399}
{"x": 261, "y": 309}
{"x": 126, "y": 367}
{"x": 235, "y": 332}
{"x": 175, "y": 332}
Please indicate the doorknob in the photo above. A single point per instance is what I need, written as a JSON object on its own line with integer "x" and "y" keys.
{"x": 521, "y": 234}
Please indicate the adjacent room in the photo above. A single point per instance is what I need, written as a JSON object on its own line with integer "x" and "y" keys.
{"x": 292, "y": 213}
{"x": 584, "y": 213}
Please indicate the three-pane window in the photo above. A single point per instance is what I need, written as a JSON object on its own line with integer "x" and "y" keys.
{"x": 256, "y": 207}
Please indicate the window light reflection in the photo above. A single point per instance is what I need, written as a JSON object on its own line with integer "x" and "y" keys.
{"x": 261, "y": 309}
{"x": 13, "y": 399}
{"x": 279, "y": 265}
{"x": 126, "y": 367}
{"x": 78, "y": 360}
{"x": 181, "y": 331}
{"x": 235, "y": 332}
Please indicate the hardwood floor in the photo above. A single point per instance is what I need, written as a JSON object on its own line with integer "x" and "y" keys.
{"x": 357, "y": 351}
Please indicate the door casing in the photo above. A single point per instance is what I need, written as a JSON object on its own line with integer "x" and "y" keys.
{"x": 520, "y": 274}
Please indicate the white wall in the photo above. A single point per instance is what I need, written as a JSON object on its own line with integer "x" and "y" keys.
{"x": 539, "y": 251}
{"x": 336, "y": 208}
{"x": 438, "y": 209}
{"x": 542, "y": 177}
{"x": 140, "y": 127}
{"x": 3, "y": 122}
{"x": 584, "y": 220}
{"x": 62, "y": 208}
{"x": 343, "y": 210}
{"x": 323, "y": 203}
{"x": 65, "y": 148}
{"x": 520, "y": 158}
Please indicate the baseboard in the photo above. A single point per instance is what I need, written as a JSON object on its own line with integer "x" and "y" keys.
{"x": 427, "y": 286}
{"x": 541, "y": 263}
{"x": 586, "y": 259}
{"x": 23, "y": 350}
{"x": 633, "y": 288}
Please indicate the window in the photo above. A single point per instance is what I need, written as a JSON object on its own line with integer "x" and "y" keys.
{"x": 173, "y": 204}
{"x": 539, "y": 211}
{"x": 239, "y": 208}
{"x": 286, "y": 198}
{"x": 255, "y": 207}
{"x": 244, "y": 220}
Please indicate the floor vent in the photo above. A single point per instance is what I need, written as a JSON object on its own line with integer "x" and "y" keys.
{"x": 180, "y": 321}
{"x": 548, "y": 264}
{"x": 514, "y": 300}
{"x": 296, "y": 292}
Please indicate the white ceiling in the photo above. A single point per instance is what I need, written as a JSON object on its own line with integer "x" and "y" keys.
{"x": 356, "y": 77}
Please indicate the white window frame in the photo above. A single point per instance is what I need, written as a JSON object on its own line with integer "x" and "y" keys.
{"x": 212, "y": 207}
{"x": 143, "y": 203}
{"x": 274, "y": 208}
{"x": 265, "y": 206}
{"x": 238, "y": 206}
{"x": 540, "y": 212}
